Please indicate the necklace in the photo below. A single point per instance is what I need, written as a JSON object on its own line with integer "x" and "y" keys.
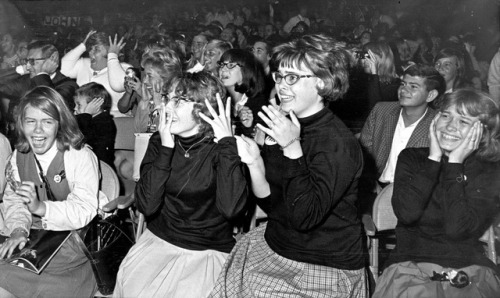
{"x": 186, "y": 152}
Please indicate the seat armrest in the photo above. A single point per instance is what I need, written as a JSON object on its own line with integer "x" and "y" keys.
{"x": 368, "y": 224}
{"x": 110, "y": 206}
{"x": 125, "y": 201}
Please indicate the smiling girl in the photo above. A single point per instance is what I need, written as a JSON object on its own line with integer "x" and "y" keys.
{"x": 445, "y": 198}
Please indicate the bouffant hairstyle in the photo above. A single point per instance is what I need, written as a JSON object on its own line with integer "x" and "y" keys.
{"x": 323, "y": 56}
{"x": 165, "y": 61}
{"x": 196, "y": 87}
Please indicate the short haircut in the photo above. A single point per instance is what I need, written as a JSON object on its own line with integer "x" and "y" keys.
{"x": 197, "y": 87}
{"x": 94, "y": 90}
{"x": 51, "y": 103}
{"x": 433, "y": 80}
{"x": 222, "y": 45}
{"x": 252, "y": 71}
{"x": 47, "y": 48}
{"x": 323, "y": 56}
{"x": 99, "y": 38}
{"x": 479, "y": 104}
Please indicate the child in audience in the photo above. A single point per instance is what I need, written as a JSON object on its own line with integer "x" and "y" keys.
{"x": 92, "y": 105}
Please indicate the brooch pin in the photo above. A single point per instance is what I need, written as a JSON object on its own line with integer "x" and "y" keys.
{"x": 59, "y": 177}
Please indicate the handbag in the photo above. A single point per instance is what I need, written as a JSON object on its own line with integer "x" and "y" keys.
{"x": 105, "y": 242}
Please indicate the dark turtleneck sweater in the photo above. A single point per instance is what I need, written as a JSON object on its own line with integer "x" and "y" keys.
{"x": 443, "y": 209}
{"x": 189, "y": 201}
{"x": 312, "y": 209}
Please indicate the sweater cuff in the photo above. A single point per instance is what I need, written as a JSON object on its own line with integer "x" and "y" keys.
{"x": 295, "y": 167}
{"x": 454, "y": 172}
{"x": 164, "y": 157}
{"x": 112, "y": 56}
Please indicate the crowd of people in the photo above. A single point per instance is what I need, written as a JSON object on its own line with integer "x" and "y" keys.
{"x": 288, "y": 111}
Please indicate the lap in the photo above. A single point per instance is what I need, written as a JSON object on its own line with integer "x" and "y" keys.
{"x": 409, "y": 279}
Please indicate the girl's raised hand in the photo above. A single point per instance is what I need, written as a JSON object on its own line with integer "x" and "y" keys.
{"x": 435, "y": 151}
{"x": 469, "y": 144}
{"x": 164, "y": 125}
{"x": 221, "y": 123}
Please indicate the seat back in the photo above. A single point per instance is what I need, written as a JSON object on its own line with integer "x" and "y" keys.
{"x": 110, "y": 185}
{"x": 383, "y": 214}
{"x": 125, "y": 138}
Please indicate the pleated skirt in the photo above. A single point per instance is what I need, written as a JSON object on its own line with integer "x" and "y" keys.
{"x": 155, "y": 268}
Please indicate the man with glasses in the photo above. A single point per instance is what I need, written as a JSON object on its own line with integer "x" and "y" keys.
{"x": 394, "y": 126}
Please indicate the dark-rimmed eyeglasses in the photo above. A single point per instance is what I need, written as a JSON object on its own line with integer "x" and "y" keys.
{"x": 31, "y": 60}
{"x": 176, "y": 100}
{"x": 290, "y": 78}
{"x": 229, "y": 65}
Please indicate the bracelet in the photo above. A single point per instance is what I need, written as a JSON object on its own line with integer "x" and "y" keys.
{"x": 291, "y": 142}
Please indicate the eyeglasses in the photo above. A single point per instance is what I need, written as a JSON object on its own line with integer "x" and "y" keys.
{"x": 290, "y": 78}
{"x": 229, "y": 65}
{"x": 177, "y": 100}
{"x": 445, "y": 65}
{"x": 31, "y": 60}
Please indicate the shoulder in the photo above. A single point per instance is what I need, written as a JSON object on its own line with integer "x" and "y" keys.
{"x": 84, "y": 155}
{"x": 413, "y": 153}
{"x": 386, "y": 106}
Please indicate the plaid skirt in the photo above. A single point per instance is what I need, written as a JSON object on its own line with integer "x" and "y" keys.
{"x": 409, "y": 279}
{"x": 253, "y": 269}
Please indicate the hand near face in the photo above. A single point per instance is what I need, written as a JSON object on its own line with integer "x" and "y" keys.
{"x": 370, "y": 62}
{"x": 29, "y": 197}
{"x": 221, "y": 123}
{"x": 164, "y": 125}
{"x": 116, "y": 46}
{"x": 468, "y": 145}
{"x": 91, "y": 32}
{"x": 94, "y": 106}
{"x": 435, "y": 152}
{"x": 50, "y": 64}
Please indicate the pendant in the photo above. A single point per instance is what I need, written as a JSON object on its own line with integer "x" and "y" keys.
{"x": 186, "y": 155}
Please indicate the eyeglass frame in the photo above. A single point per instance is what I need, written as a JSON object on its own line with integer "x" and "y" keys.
{"x": 278, "y": 80}
{"x": 31, "y": 61}
{"x": 226, "y": 64}
{"x": 446, "y": 65}
{"x": 176, "y": 99}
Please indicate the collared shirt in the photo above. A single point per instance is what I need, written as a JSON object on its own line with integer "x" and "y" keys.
{"x": 401, "y": 136}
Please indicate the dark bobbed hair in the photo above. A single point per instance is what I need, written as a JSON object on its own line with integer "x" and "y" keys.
{"x": 51, "y": 103}
{"x": 165, "y": 61}
{"x": 93, "y": 90}
{"x": 433, "y": 80}
{"x": 323, "y": 56}
{"x": 252, "y": 71}
{"x": 479, "y": 104}
{"x": 461, "y": 77}
{"x": 197, "y": 87}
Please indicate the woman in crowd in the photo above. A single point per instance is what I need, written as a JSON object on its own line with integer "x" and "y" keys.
{"x": 211, "y": 56}
{"x": 382, "y": 80}
{"x": 306, "y": 181}
{"x": 243, "y": 77}
{"x": 451, "y": 65}
{"x": 445, "y": 197}
{"x": 160, "y": 65}
{"x": 190, "y": 189}
{"x": 53, "y": 185}
{"x": 102, "y": 66}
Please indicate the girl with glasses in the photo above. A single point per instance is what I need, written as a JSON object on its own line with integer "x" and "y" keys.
{"x": 306, "y": 179}
{"x": 243, "y": 77}
{"x": 190, "y": 189}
